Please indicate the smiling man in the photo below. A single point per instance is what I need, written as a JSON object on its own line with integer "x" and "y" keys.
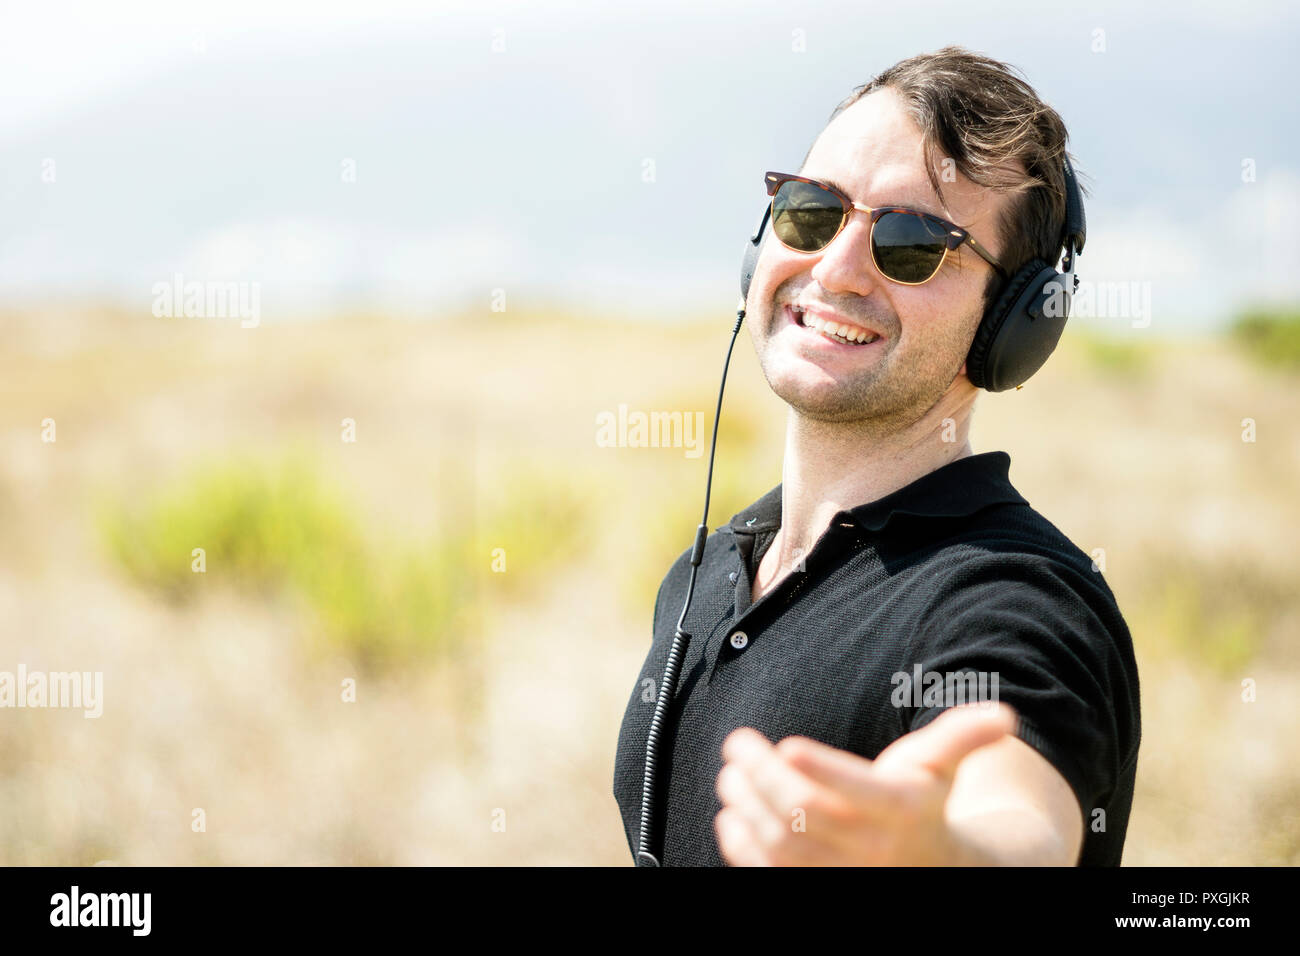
{"x": 890, "y": 550}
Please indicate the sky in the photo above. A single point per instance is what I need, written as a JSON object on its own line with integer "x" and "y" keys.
{"x": 416, "y": 157}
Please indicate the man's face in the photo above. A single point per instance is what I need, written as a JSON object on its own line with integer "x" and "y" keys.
{"x": 873, "y": 152}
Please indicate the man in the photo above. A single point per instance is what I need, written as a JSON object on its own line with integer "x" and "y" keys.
{"x": 814, "y": 721}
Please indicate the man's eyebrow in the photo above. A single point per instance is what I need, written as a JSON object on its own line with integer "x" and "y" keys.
{"x": 905, "y": 204}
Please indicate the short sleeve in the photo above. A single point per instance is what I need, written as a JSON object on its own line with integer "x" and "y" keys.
{"x": 659, "y": 595}
{"x": 1059, "y": 650}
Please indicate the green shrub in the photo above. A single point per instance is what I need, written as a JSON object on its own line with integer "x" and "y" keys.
{"x": 1115, "y": 356}
{"x": 278, "y": 530}
{"x": 537, "y": 517}
{"x": 746, "y": 468}
{"x": 1271, "y": 335}
{"x": 1221, "y": 615}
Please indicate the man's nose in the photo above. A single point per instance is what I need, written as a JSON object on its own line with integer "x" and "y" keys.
{"x": 846, "y": 265}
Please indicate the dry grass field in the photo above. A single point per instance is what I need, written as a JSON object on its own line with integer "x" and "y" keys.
{"x": 488, "y": 701}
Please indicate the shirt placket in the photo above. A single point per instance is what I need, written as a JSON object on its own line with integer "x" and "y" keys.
{"x": 744, "y": 627}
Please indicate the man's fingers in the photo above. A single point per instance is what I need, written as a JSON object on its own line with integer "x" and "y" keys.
{"x": 736, "y": 790}
{"x": 736, "y": 840}
{"x": 774, "y": 781}
{"x": 944, "y": 742}
{"x": 767, "y": 802}
{"x": 841, "y": 772}
{"x": 826, "y": 782}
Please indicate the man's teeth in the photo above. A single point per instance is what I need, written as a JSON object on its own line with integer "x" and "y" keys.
{"x": 844, "y": 332}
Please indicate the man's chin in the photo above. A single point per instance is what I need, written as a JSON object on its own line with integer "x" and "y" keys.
{"x": 828, "y": 400}
{"x": 879, "y": 398}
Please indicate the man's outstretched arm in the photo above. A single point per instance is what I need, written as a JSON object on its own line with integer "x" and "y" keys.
{"x": 959, "y": 791}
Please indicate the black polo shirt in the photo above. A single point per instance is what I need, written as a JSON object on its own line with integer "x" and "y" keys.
{"x": 955, "y": 573}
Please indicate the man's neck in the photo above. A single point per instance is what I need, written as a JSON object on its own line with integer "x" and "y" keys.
{"x": 834, "y": 466}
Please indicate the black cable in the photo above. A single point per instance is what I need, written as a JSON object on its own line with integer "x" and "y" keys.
{"x": 681, "y": 639}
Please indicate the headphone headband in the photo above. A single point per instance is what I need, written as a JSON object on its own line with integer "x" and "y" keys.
{"x": 1076, "y": 225}
{"x": 1073, "y": 235}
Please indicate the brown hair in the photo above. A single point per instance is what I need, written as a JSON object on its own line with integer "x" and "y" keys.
{"x": 983, "y": 115}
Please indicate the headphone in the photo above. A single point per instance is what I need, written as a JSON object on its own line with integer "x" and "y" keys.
{"x": 1015, "y": 337}
{"x": 1021, "y": 328}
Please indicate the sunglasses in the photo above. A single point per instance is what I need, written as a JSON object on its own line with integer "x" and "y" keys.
{"x": 907, "y": 246}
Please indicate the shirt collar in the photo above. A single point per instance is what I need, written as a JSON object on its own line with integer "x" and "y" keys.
{"x": 954, "y": 490}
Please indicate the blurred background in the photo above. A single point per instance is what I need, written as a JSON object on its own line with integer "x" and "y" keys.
{"x": 435, "y": 245}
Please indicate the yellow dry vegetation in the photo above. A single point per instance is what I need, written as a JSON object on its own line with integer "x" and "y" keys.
{"x": 481, "y": 572}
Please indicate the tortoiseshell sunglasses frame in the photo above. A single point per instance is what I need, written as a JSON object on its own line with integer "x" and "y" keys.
{"x": 955, "y": 235}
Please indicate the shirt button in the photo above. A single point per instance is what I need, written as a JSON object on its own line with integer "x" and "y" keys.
{"x": 739, "y": 640}
{"x": 732, "y": 577}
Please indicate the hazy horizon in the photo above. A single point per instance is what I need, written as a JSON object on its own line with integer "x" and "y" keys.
{"x": 218, "y": 146}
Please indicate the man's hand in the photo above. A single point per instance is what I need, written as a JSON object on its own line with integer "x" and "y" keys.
{"x": 801, "y": 802}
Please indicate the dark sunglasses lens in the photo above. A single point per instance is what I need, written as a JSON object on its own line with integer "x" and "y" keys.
{"x": 805, "y": 217}
{"x": 908, "y": 248}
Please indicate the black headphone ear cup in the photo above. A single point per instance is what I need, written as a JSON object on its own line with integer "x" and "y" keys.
{"x": 1011, "y": 344}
